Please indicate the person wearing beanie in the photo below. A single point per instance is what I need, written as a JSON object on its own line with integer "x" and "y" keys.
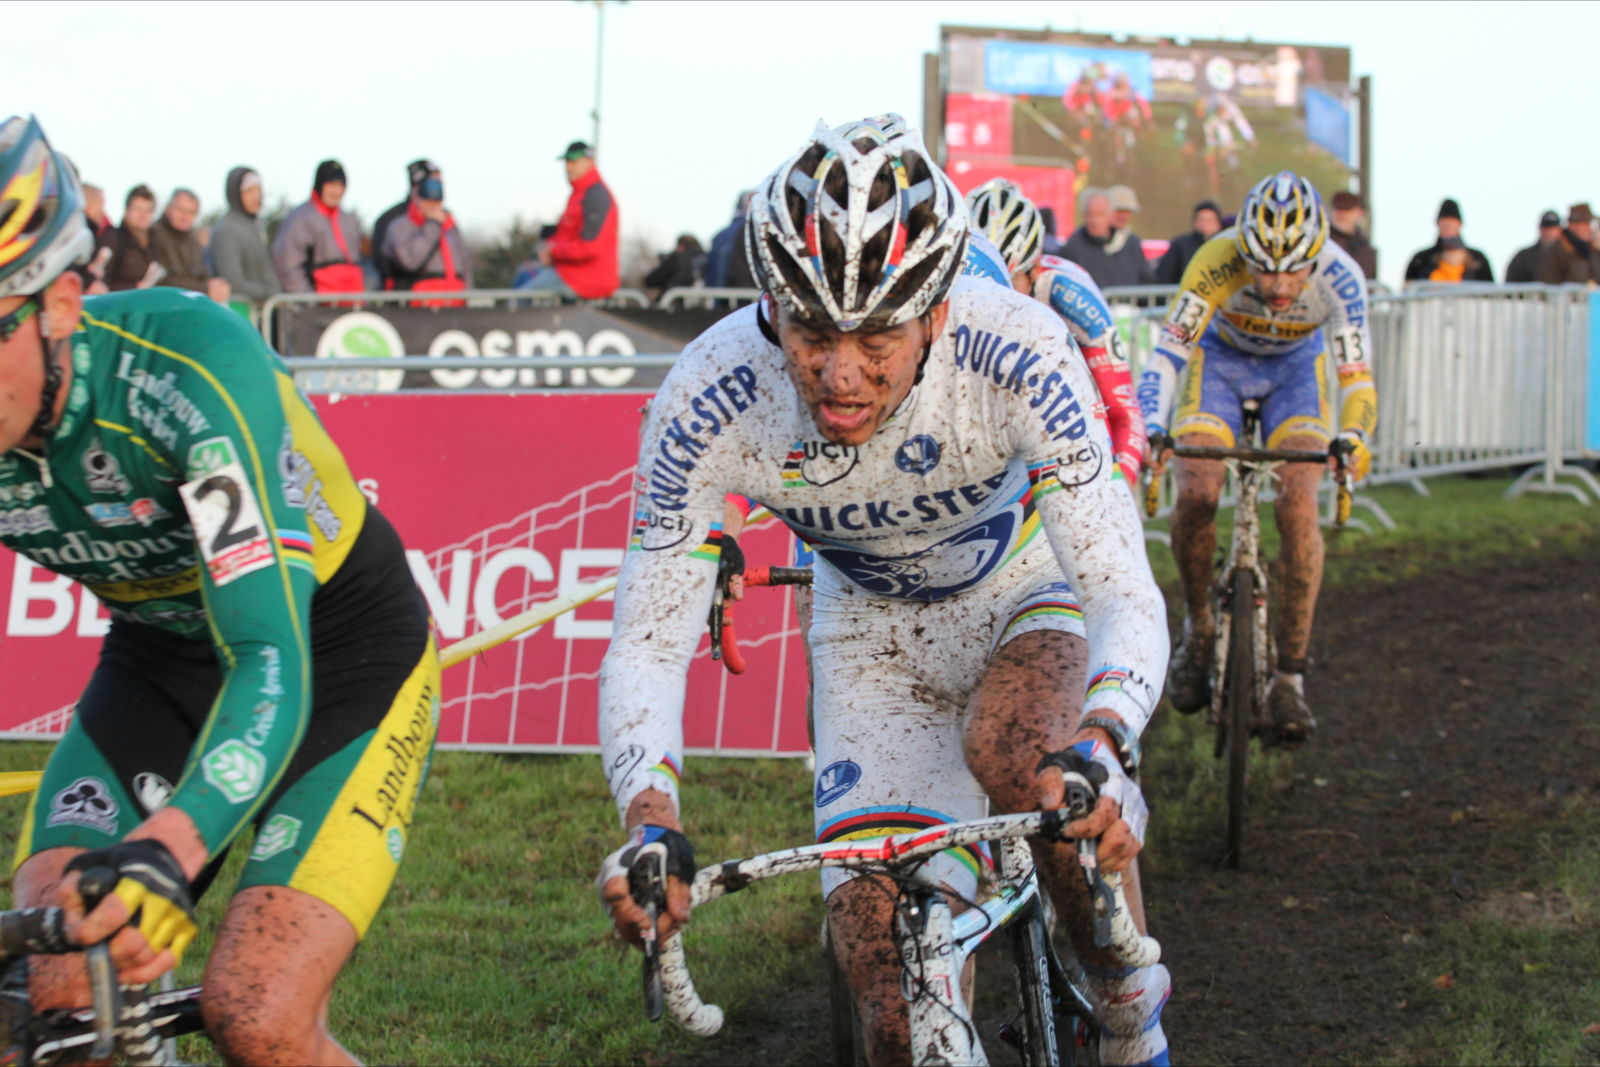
{"x": 390, "y": 273}
{"x": 1426, "y": 262}
{"x": 318, "y": 249}
{"x": 1524, "y": 266}
{"x": 238, "y": 250}
{"x": 1206, "y": 223}
{"x": 1344, "y": 228}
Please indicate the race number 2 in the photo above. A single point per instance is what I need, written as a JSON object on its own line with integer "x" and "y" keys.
{"x": 228, "y": 529}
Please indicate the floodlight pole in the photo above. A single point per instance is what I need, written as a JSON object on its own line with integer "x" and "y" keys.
{"x": 599, "y": 67}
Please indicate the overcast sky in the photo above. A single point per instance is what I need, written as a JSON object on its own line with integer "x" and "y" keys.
{"x": 1486, "y": 103}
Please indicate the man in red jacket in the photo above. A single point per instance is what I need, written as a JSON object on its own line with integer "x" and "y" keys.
{"x": 581, "y": 256}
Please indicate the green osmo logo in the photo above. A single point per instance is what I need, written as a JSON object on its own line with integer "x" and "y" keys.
{"x": 397, "y": 843}
{"x": 363, "y": 335}
{"x": 235, "y": 770}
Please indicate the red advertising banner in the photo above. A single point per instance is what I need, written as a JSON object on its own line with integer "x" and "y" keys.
{"x": 503, "y": 502}
{"x": 1051, "y": 187}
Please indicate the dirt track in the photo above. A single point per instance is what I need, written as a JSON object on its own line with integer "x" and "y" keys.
{"x": 1403, "y": 815}
{"x": 1457, "y": 713}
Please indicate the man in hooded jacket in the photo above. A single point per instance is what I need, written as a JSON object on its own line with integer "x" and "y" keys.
{"x": 238, "y": 249}
{"x": 318, "y": 248}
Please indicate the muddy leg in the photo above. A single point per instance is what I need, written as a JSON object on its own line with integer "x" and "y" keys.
{"x": 1302, "y": 550}
{"x": 1194, "y": 529}
{"x": 1028, "y": 703}
{"x": 270, "y": 977}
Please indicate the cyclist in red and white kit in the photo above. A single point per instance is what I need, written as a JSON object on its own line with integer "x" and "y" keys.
{"x": 920, "y": 430}
{"x": 999, "y": 211}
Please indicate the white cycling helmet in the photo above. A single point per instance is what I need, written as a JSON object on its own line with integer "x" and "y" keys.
{"x": 998, "y": 210}
{"x": 42, "y": 226}
{"x": 1282, "y": 226}
{"x": 860, "y": 229}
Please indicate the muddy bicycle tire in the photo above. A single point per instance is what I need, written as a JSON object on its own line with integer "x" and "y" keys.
{"x": 846, "y": 1041}
{"x": 1240, "y": 707}
{"x": 1030, "y": 957}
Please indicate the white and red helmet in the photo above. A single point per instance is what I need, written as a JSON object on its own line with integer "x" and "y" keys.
{"x": 860, "y": 229}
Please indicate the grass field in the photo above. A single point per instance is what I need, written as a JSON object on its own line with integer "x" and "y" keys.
{"x": 493, "y": 948}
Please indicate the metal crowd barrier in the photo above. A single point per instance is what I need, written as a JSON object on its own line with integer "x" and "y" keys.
{"x": 704, "y": 297}
{"x": 476, "y": 298}
{"x": 1469, "y": 377}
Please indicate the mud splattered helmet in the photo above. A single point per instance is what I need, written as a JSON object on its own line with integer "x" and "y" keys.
{"x": 42, "y": 227}
{"x": 1282, "y": 226}
{"x": 998, "y": 210}
{"x": 859, "y": 230}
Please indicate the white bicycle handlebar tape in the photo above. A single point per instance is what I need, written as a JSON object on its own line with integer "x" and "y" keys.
{"x": 694, "y": 1015}
{"x": 1132, "y": 948}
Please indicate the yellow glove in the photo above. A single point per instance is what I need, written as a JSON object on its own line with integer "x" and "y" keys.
{"x": 152, "y": 885}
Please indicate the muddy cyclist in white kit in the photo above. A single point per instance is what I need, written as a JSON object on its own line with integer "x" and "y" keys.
{"x": 920, "y": 430}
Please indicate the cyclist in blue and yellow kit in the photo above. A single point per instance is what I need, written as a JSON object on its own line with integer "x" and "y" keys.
{"x": 269, "y": 660}
{"x": 1261, "y": 307}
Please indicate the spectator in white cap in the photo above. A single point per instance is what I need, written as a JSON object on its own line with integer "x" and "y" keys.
{"x": 238, "y": 249}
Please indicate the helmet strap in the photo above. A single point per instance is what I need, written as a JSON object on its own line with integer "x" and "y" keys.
{"x": 927, "y": 346}
{"x": 54, "y": 362}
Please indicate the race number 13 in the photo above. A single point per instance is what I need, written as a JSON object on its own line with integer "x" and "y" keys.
{"x": 226, "y": 517}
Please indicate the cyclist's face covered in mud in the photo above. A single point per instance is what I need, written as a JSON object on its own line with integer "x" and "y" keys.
{"x": 852, "y": 382}
{"x": 1281, "y": 290}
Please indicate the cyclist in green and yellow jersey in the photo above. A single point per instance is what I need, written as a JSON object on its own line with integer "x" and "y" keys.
{"x": 269, "y": 661}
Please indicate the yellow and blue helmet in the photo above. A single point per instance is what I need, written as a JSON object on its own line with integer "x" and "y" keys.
{"x": 1282, "y": 226}
{"x": 43, "y": 230}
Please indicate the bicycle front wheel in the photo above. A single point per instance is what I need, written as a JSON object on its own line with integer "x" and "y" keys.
{"x": 1030, "y": 954}
{"x": 846, "y": 1042}
{"x": 1240, "y": 709}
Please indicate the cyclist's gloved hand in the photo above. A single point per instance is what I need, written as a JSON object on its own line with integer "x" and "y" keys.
{"x": 730, "y": 567}
{"x": 1353, "y": 445}
{"x": 1157, "y": 444}
{"x": 627, "y": 914}
{"x": 152, "y": 888}
{"x": 1120, "y": 816}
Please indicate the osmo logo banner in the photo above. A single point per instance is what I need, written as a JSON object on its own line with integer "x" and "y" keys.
{"x": 503, "y": 502}
{"x": 487, "y": 333}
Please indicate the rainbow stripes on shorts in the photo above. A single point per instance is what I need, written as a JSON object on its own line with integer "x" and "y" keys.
{"x": 863, "y": 823}
{"x": 1054, "y": 605}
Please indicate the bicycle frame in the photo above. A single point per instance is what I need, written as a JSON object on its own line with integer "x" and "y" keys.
{"x": 935, "y": 942}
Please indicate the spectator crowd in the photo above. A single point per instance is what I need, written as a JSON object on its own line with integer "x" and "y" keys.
{"x": 320, "y": 247}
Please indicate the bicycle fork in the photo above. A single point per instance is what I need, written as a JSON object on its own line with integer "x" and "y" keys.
{"x": 930, "y": 981}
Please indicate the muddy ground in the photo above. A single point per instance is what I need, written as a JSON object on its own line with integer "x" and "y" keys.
{"x": 1458, "y": 715}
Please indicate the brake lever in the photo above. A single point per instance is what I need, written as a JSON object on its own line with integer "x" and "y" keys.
{"x": 94, "y": 886}
{"x": 647, "y": 882}
{"x": 1080, "y": 796}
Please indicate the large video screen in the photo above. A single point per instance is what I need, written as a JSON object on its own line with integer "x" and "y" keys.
{"x": 1178, "y": 122}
